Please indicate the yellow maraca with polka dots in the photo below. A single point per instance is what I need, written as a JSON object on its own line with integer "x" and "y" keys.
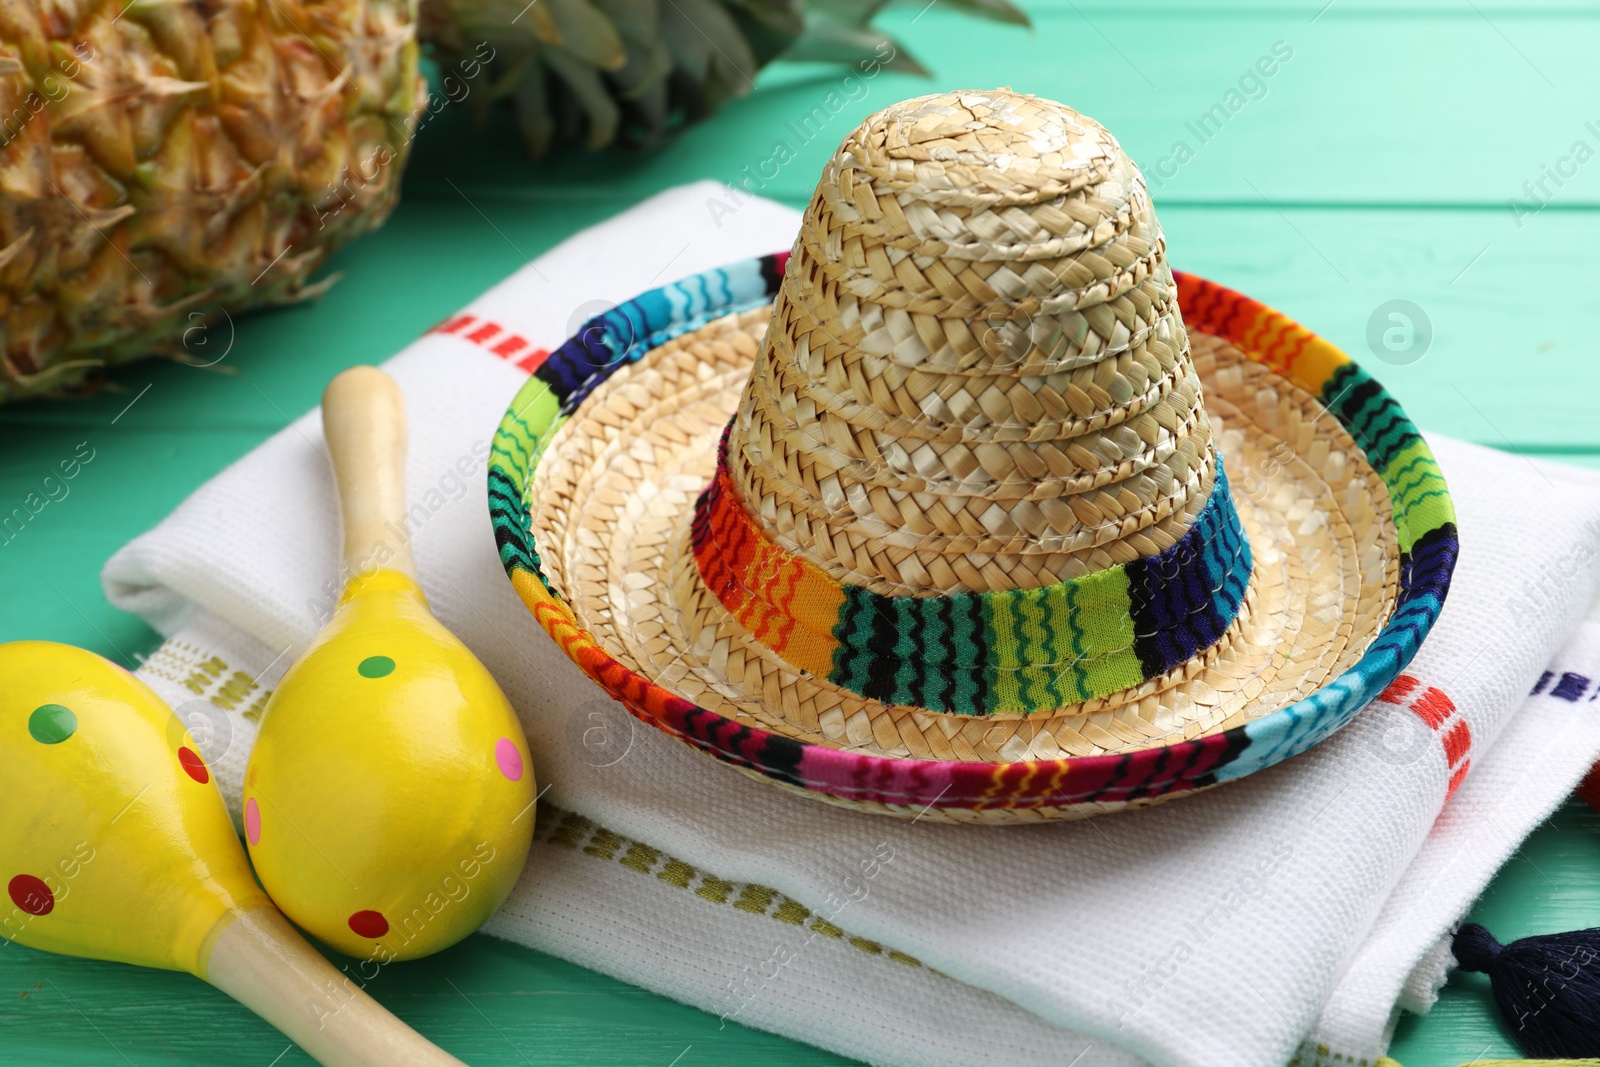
{"x": 116, "y": 846}
{"x": 389, "y": 799}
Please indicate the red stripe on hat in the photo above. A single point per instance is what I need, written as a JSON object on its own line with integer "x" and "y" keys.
{"x": 1433, "y": 707}
{"x": 1456, "y": 778}
{"x": 482, "y": 333}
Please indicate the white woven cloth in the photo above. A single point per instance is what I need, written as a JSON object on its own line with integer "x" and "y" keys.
{"x": 1294, "y": 909}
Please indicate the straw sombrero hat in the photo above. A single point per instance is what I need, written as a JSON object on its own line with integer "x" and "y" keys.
{"x": 970, "y": 508}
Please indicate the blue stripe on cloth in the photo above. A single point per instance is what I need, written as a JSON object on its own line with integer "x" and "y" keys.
{"x": 1571, "y": 687}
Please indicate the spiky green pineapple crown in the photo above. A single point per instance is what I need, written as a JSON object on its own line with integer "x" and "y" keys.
{"x": 629, "y": 71}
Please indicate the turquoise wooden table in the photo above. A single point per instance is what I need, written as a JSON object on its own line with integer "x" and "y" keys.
{"x": 1443, "y": 155}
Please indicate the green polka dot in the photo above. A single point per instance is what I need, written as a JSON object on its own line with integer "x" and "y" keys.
{"x": 51, "y": 724}
{"x": 375, "y": 667}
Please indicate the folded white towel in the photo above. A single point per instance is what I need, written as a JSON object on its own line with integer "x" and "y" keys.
{"x": 1290, "y": 910}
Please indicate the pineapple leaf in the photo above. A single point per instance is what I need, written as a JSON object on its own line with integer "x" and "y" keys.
{"x": 832, "y": 42}
{"x": 650, "y": 109}
{"x": 646, "y": 68}
{"x": 859, "y": 13}
{"x": 786, "y": 18}
{"x": 637, "y": 70}
{"x": 587, "y": 33}
{"x": 533, "y": 113}
{"x": 600, "y": 111}
{"x": 536, "y": 22}
{"x": 509, "y": 78}
{"x": 691, "y": 49}
{"x": 998, "y": 10}
{"x": 638, "y": 22}
{"x": 705, "y": 31}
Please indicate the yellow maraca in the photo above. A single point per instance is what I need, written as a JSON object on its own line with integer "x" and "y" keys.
{"x": 116, "y": 846}
{"x": 389, "y": 797}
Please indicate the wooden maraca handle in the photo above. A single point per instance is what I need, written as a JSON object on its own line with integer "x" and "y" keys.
{"x": 259, "y": 960}
{"x": 364, "y": 420}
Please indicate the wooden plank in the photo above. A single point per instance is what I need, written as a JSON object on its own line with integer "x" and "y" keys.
{"x": 1549, "y": 886}
{"x": 57, "y": 531}
{"x": 56, "y": 1012}
{"x": 1376, "y": 166}
{"x": 1496, "y": 371}
{"x": 485, "y": 1001}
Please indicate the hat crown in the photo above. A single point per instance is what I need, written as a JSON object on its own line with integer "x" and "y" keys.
{"x": 974, "y": 151}
{"x": 975, "y": 377}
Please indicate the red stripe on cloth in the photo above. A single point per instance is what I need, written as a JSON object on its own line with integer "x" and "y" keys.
{"x": 1455, "y": 779}
{"x": 1399, "y": 689}
{"x": 1433, "y": 707}
{"x": 452, "y": 324}
{"x": 1457, "y": 742}
{"x": 513, "y": 348}
{"x": 509, "y": 346}
{"x": 534, "y": 360}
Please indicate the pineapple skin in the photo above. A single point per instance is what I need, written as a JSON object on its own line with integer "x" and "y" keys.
{"x": 167, "y": 162}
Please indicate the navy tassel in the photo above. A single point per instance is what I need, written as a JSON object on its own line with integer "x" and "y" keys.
{"x": 1547, "y": 987}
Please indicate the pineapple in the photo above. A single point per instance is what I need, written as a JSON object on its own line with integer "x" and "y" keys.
{"x": 630, "y": 70}
{"x": 166, "y": 161}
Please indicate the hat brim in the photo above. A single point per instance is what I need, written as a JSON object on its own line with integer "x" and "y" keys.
{"x": 1349, "y": 517}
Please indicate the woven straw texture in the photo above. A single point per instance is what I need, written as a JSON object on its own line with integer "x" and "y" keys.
{"x": 972, "y": 383}
{"x": 618, "y": 489}
{"x": 977, "y": 378}
{"x": 1356, "y": 426}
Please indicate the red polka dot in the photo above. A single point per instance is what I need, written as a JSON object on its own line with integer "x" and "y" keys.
{"x": 31, "y": 895}
{"x": 369, "y": 924}
{"x": 194, "y": 765}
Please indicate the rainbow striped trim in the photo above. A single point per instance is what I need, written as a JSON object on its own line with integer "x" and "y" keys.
{"x": 1424, "y": 519}
{"x": 1013, "y": 652}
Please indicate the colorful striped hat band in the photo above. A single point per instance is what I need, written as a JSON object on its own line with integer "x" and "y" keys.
{"x": 930, "y": 517}
{"x": 1008, "y": 651}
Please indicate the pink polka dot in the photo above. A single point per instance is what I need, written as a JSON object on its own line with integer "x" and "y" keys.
{"x": 510, "y": 760}
{"x": 252, "y": 822}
